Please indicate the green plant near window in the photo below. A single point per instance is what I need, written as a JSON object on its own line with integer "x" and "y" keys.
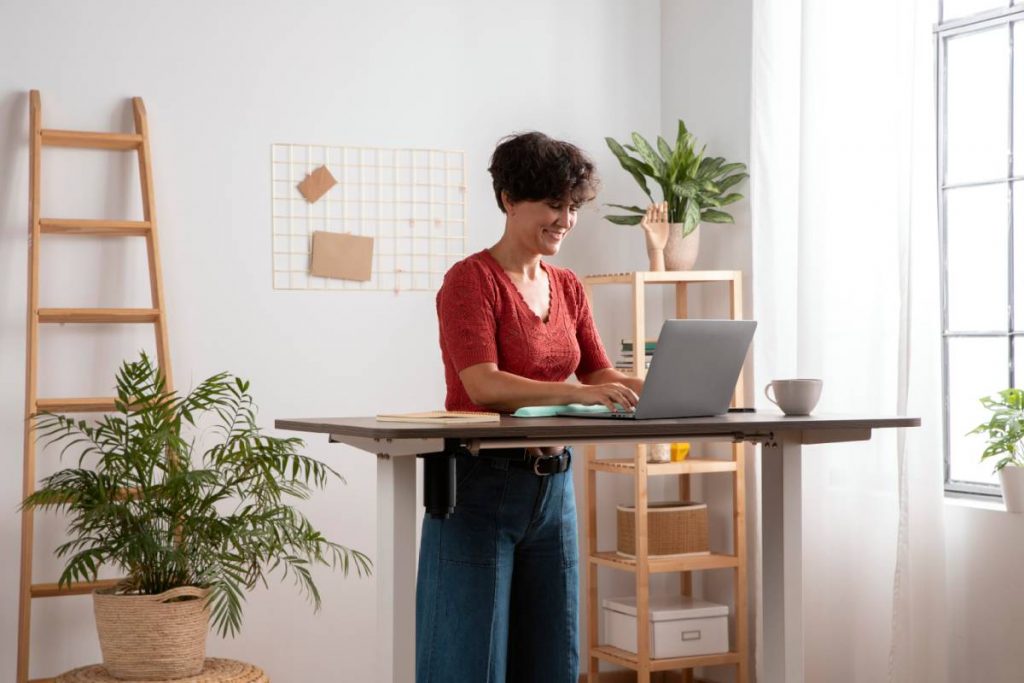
{"x": 1005, "y": 429}
{"x": 694, "y": 186}
{"x": 186, "y": 491}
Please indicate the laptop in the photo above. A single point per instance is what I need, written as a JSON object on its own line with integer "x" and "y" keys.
{"x": 693, "y": 372}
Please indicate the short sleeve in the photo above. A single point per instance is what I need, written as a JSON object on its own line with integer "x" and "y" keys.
{"x": 592, "y": 353}
{"x": 467, "y": 318}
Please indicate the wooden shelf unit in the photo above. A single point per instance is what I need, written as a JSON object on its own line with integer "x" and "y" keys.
{"x": 643, "y": 566}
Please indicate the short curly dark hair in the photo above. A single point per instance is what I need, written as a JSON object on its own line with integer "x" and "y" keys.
{"x": 533, "y": 167}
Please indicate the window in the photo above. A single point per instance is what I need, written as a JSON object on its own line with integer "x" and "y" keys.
{"x": 980, "y": 58}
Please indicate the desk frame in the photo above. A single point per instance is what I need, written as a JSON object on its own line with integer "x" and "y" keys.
{"x": 781, "y": 439}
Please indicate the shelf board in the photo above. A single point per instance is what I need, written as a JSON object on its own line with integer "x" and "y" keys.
{"x": 660, "y": 565}
{"x": 50, "y": 590}
{"x": 90, "y": 140}
{"x": 663, "y": 277}
{"x": 91, "y": 227}
{"x": 87, "y": 404}
{"x": 98, "y": 315}
{"x": 688, "y": 466}
{"x": 615, "y": 655}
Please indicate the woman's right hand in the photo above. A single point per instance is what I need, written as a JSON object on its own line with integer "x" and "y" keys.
{"x": 611, "y": 395}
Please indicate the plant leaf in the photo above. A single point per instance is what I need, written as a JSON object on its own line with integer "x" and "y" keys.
{"x": 713, "y": 216}
{"x": 691, "y": 217}
{"x": 667, "y": 152}
{"x": 634, "y": 209}
{"x": 729, "y": 168}
{"x": 630, "y": 164}
{"x": 624, "y": 220}
{"x": 681, "y": 137}
{"x": 648, "y": 154}
{"x": 726, "y": 183}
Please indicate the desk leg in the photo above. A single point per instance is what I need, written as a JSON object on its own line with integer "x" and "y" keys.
{"x": 395, "y": 569}
{"x": 782, "y": 563}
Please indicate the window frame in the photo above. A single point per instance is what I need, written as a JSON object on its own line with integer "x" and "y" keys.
{"x": 1006, "y": 16}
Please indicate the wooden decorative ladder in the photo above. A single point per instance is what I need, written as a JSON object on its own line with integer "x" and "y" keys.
{"x": 130, "y": 142}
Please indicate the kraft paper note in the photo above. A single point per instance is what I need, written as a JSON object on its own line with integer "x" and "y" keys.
{"x": 342, "y": 256}
{"x": 316, "y": 184}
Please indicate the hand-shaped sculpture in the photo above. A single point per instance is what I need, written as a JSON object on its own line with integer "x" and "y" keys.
{"x": 656, "y": 229}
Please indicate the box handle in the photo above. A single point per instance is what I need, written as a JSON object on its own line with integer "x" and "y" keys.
{"x": 691, "y": 635}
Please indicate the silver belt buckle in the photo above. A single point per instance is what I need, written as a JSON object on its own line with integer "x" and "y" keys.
{"x": 536, "y": 462}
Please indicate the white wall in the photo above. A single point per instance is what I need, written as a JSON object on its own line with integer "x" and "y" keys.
{"x": 222, "y": 81}
{"x": 984, "y": 556}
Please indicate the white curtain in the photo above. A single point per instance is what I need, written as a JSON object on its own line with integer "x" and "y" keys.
{"x": 846, "y": 289}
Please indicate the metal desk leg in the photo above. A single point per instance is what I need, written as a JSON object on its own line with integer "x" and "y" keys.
{"x": 395, "y": 569}
{"x": 782, "y": 563}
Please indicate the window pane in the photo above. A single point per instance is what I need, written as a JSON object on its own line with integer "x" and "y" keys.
{"x": 977, "y": 367}
{"x": 977, "y": 105}
{"x": 954, "y": 9}
{"x": 1018, "y": 97}
{"x": 977, "y": 260}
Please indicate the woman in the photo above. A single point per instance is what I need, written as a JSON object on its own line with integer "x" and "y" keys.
{"x": 496, "y": 596}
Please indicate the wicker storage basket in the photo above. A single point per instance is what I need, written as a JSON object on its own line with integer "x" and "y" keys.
{"x": 152, "y": 637}
{"x": 679, "y": 528}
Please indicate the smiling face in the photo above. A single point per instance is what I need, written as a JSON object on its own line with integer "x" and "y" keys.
{"x": 540, "y": 184}
{"x": 539, "y": 227}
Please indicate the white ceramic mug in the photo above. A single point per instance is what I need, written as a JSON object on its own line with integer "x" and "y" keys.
{"x": 794, "y": 396}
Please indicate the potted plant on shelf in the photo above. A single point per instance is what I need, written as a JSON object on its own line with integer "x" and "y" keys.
{"x": 694, "y": 189}
{"x": 1005, "y": 432}
{"x": 189, "y": 501}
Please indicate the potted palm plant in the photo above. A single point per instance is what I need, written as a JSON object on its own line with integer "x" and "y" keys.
{"x": 1005, "y": 430}
{"x": 694, "y": 188}
{"x": 190, "y": 502}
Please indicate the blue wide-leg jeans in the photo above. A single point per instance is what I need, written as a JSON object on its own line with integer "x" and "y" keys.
{"x": 496, "y": 594}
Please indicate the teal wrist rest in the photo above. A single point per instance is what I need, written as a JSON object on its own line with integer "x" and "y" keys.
{"x": 553, "y": 411}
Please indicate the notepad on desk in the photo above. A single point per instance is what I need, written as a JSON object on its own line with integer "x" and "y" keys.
{"x": 441, "y": 417}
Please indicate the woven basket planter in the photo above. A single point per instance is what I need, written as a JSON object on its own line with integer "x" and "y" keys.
{"x": 672, "y": 529}
{"x": 153, "y": 637}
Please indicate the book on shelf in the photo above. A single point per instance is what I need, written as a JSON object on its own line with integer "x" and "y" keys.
{"x": 441, "y": 417}
{"x": 649, "y": 345}
{"x": 627, "y": 364}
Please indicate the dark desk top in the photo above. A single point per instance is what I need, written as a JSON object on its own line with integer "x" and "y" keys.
{"x": 568, "y": 428}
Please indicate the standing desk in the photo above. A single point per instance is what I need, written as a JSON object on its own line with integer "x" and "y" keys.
{"x": 781, "y": 439}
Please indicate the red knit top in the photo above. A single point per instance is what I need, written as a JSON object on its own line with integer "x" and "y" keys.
{"x": 484, "y": 319}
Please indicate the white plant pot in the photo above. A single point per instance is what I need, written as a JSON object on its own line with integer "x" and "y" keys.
{"x": 1011, "y": 478}
{"x": 681, "y": 252}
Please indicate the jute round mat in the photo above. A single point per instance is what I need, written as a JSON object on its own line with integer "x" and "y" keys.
{"x": 214, "y": 671}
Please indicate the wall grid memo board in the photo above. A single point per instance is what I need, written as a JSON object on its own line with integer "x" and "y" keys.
{"x": 412, "y": 202}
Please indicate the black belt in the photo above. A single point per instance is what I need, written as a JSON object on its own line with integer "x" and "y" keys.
{"x": 522, "y": 458}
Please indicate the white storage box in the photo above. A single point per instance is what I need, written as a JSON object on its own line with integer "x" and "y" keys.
{"x": 680, "y": 626}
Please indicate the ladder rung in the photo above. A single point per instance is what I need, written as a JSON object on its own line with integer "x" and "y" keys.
{"x": 74, "y": 226}
{"x": 75, "y": 405}
{"x": 77, "y": 138}
{"x": 53, "y": 590}
{"x": 98, "y": 315}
